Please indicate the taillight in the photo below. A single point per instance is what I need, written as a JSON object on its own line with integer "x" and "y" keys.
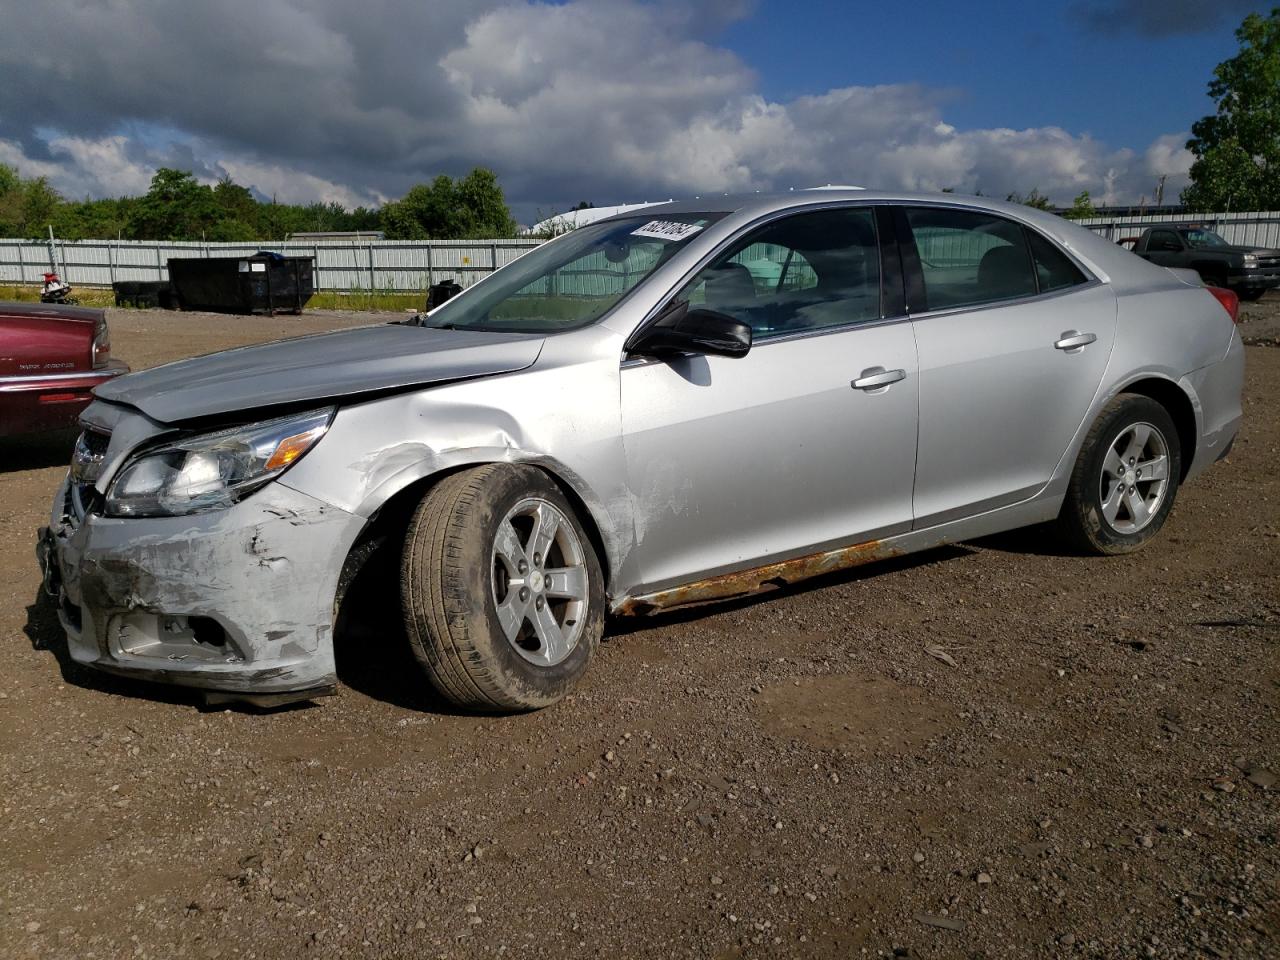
{"x": 101, "y": 344}
{"x": 1230, "y": 302}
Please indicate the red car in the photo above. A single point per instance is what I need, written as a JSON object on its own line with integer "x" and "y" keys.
{"x": 51, "y": 357}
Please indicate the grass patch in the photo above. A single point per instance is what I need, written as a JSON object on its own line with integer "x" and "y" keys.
{"x": 368, "y": 300}
{"x": 561, "y": 308}
{"x": 88, "y": 296}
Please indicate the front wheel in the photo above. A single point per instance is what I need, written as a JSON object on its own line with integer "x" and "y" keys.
{"x": 1125, "y": 479}
{"x": 502, "y": 592}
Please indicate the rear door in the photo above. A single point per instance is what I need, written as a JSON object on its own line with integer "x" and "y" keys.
{"x": 1013, "y": 339}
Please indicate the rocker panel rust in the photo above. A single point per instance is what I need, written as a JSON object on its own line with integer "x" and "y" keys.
{"x": 758, "y": 579}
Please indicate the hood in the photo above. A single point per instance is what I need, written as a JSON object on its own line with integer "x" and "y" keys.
{"x": 318, "y": 368}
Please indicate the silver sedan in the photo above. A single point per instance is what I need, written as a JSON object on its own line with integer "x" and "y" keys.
{"x": 680, "y": 404}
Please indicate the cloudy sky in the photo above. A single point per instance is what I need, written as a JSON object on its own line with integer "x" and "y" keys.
{"x": 609, "y": 100}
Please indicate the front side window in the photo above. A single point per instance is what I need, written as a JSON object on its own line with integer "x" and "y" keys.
{"x": 804, "y": 272}
{"x": 968, "y": 258}
{"x": 574, "y": 280}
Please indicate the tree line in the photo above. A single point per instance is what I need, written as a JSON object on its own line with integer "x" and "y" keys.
{"x": 179, "y": 207}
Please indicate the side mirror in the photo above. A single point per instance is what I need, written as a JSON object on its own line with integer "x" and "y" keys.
{"x": 680, "y": 330}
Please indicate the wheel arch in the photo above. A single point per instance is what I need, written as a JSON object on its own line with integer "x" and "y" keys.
{"x": 1181, "y": 410}
{"x": 390, "y": 519}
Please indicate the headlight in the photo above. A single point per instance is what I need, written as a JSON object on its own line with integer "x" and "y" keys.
{"x": 212, "y": 470}
{"x": 1250, "y": 261}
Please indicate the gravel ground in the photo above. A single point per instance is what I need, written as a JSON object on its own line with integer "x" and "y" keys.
{"x": 1091, "y": 773}
{"x": 1260, "y": 321}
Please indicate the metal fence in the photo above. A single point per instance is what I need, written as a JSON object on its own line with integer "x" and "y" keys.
{"x": 413, "y": 265}
{"x": 339, "y": 265}
{"x": 1244, "y": 229}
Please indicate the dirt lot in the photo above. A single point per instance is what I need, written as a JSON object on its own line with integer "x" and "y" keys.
{"x": 1260, "y": 322}
{"x": 791, "y": 775}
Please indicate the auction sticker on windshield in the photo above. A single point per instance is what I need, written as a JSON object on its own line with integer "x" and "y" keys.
{"x": 667, "y": 230}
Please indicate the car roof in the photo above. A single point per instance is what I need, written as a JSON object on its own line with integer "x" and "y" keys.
{"x": 1108, "y": 261}
{"x": 761, "y": 203}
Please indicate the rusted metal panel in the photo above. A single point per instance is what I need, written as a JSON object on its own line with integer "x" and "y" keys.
{"x": 757, "y": 579}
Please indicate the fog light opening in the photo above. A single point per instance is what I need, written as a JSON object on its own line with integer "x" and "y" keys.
{"x": 207, "y": 631}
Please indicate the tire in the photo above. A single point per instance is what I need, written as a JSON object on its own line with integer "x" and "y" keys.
{"x": 1249, "y": 296}
{"x": 1099, "y": 515}
{"x": 481, "y": 627}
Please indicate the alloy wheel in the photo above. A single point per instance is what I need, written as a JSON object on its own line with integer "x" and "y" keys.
{"x": 540, "y": 582}
{"x": 1135, "y": 477}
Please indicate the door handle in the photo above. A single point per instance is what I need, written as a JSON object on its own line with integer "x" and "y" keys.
{"x": 1073, "y": 340}
{"x": 875, "y": 377}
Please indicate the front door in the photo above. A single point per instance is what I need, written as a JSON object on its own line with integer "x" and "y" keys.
{"x": 806, "y": 443}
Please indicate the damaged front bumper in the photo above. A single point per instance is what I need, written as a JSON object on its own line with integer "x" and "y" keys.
{"x": 239, "y": 602}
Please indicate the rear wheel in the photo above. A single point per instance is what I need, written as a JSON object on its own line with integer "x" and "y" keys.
{"x": 502, "y": 592}
{"x": 1125, "y": 479}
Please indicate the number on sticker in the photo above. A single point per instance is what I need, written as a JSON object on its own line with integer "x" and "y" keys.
{"x": 667, "y": 230}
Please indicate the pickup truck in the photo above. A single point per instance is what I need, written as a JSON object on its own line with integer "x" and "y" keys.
{"x": 1249, "y": 271}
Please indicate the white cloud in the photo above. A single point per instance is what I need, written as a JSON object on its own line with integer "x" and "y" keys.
{"x": 289, "y": 185}
{"x": 596, "y": 95}
{"x": 607, "y": 100}
{"x": 82, "y": 166}
{"x": 1169, "y": 154}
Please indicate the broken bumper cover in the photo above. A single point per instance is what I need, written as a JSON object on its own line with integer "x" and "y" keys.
{"x": 238, "y": 600}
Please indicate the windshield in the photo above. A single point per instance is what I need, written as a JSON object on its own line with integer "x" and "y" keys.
{"x": 573, "y": 280}
{"x": 1202, "y": 239}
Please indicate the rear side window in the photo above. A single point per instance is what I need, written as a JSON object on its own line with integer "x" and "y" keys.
{"x": 969, "y": 258}
{"x": 1054, "y": 269}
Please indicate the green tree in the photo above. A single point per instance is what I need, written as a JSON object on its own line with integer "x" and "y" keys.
{"x": 447, "y": 209}
{"x": 1082, "y": 207}
{"x": 1033, "y": 199}
{"x": 10, "y": 201}
{"x": 234, "y": 202}
{"x": 176, "y": 207}
{"x": 485, "y": 207}
{"x": 40, "y": 203}
{"x": 1237, "y": 148}
{"x": 91, "y": 219}
{"x": 427, "y": 211}
{"x": 362, "y": 218}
